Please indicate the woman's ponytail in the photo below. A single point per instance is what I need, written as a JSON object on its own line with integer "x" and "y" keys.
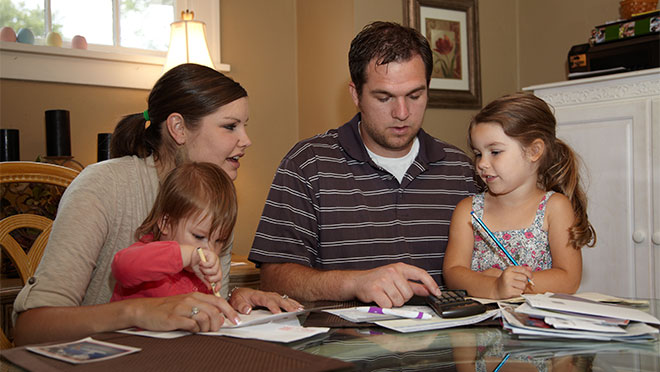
{"x": 129, "y": 138}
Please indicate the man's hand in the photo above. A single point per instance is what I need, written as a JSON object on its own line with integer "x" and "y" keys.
{"x": 392, "y": 285}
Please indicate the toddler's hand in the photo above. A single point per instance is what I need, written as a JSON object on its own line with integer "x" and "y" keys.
{"x": 208, "y": 268}
{"x": 513, "y": 281}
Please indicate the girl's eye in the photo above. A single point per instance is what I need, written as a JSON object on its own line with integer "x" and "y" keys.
{"x": 229, "y": 126}
{"x": 495, "y": 152}
{"x": 198, "y": 237}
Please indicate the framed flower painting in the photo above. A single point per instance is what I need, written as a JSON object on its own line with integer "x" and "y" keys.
{"x": 452, "y": 29}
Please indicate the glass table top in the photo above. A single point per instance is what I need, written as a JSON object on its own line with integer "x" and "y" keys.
{"x": 479, "y": 348}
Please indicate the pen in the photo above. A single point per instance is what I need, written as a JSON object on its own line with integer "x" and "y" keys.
{"x": 396, "y": 312}
{"x": 203, "y": 258}
{"x": 513, "y": 260}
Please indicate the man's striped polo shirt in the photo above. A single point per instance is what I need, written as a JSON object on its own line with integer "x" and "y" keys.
{"x": 330, "y": 207}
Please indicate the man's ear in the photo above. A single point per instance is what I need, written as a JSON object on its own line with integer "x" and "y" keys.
{"x": 354, "y": 94}
{"x": 536, "y": 149}
{"x": 164, "y": 226}
{"x": 176, "y": 128}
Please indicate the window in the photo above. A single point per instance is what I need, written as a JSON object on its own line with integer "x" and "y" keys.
{"x": 127, "y": 39}
{"x": 140, "y": 24}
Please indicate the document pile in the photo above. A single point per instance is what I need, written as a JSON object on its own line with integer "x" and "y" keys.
{"x": 564, "y": 316}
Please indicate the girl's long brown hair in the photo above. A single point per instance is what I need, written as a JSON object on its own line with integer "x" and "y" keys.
{"x": 193, "y": 190}
{"x": 526, "y": 118}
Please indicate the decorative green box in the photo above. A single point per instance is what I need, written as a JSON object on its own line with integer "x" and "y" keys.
{"x": 640, "y": 25}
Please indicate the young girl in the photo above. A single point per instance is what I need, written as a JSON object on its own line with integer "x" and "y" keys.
{"x": 195, "y": 207}
{"x": 534, "y": 205}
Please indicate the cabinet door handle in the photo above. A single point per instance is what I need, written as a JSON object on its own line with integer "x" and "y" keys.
{"x": 656, "y": 238}
{"x": 639, "y": 236}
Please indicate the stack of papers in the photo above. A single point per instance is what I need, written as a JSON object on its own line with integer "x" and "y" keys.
{"x": 566, "y": 316}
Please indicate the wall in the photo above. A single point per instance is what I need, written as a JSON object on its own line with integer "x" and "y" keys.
{"x": 547, "y": 31}
{"x": 291, "y": 56}
{"x": 92, "y": 110}
{"x": 325, "y": 30}
{"x": 498, "y": 52}
{"x": 259, "y": 42}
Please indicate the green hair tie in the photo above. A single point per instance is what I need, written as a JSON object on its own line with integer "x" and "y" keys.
{"x": 145, "y": 113}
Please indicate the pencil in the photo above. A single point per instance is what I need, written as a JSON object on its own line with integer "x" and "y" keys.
{"x": 203, "y": 258}
{"x": 492, "y": 236}
{"x": 506, "y": 357}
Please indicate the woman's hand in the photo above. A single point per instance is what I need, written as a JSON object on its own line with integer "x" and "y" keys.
{"x": 244, "y": 299}
{"x": 194, "y": 312}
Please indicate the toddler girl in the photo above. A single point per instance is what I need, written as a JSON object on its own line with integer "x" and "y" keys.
{"x": 534, "y": 205}
{"x": 195, "y": 207}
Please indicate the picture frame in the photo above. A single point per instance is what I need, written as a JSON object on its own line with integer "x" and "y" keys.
{"x": 452, "y": 29}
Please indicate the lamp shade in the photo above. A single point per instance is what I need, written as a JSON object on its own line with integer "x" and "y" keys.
{"x": 188, "y": 44}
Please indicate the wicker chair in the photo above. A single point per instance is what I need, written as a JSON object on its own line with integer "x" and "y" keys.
{"x": 30, "y": 173}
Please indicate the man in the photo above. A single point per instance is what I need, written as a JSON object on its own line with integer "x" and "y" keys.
{"x": 363, "y": 211}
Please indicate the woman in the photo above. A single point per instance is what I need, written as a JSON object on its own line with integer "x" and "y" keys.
{"x": 194, "y": 114}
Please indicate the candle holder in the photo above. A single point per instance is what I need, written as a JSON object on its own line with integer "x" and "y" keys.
{"x": 9, "y": 145}
{"x": 58, "y": 133}
{"x": 103, "y": 146}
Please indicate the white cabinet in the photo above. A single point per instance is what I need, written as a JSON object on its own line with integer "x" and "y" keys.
{"x": 613, "y": 123}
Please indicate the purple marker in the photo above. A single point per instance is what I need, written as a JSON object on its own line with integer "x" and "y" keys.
{"x": 396, "y": 312}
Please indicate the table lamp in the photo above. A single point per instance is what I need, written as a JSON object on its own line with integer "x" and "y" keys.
{"x": 187, "y": 43}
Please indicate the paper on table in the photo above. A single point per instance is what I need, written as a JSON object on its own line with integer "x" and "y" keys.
{"x": 574, "y": 304}
{"x": 416, "y": 325}
{"x": 154, "y": 334}
{"x": 599, "y": 297}
{"x": 353, "y": 315}
{"x": 541, "y": 313}
{"x": 255, "y": 317}
{"x": 280, "y": 330}
{"x": 486, "y": 301}
{"x": 259, "y": 317}
{"x": 585, "y": 325}
{"x": 283, "y": 330}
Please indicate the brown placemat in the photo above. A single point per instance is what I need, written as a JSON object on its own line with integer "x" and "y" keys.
{"x": 194, "y": 352}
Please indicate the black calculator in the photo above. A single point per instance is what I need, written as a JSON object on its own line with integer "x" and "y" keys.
{"x": 453, "y": 304}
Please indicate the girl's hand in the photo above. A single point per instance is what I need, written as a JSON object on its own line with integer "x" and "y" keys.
{"x": 244, "y": 299}
{"x": 208, "y": 268}
{"x": 513, "y": 281}
{"x": 496, "y": 273}
{"x": 205, "y": 265}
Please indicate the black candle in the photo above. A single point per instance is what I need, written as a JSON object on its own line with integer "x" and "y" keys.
{"x": 103, "y": 146}
{"x": 9, "y": 145}
{"x": 58, "y": 133}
